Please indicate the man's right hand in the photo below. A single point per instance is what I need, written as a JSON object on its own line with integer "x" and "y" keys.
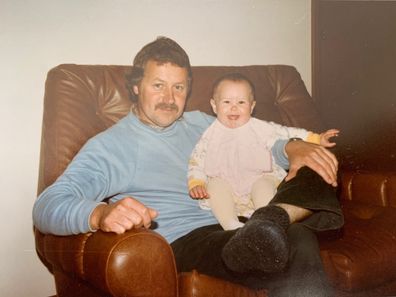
{"x": 123, "y": 215}
{"x": 316, "y": 157}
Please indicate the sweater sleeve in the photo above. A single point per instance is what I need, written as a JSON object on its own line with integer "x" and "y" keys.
{"x": 313, "y": 138}
{"x": 284, "y": 134}
{"x": 65, "y": 207}
{"x": 279, "y": 154}
{"x": 196, "y": 175}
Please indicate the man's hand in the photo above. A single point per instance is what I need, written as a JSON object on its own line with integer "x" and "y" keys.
{"x": 316, "y": 157}
{"x": 199, "y": 192}
{"x": 121, "y": 216}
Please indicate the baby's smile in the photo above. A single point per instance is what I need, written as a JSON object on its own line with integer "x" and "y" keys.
{"x": 233, "y": 117}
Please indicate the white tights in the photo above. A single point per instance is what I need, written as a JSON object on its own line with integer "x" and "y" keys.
{"x": 224, "y": 203}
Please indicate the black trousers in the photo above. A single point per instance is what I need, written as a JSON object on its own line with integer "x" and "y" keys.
{"x": 304, "y": 276}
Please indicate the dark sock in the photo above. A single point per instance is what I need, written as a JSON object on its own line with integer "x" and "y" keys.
{"x": 273, "y": 213}
{"x": 261, "y": 244}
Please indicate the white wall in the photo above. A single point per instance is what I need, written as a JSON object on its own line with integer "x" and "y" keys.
{"x": 36, "y": 35}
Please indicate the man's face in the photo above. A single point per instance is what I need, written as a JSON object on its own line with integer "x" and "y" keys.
{"x": 162, "y": 93}
{"x": 233, "y": 103}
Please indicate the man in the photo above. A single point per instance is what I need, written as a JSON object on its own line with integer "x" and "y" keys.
{"x": 141, "y": 163}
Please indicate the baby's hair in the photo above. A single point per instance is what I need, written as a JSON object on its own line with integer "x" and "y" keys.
{"x": 235, "y": 77}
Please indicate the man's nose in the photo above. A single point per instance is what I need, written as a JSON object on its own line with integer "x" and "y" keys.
{"x": 168, "y": 96}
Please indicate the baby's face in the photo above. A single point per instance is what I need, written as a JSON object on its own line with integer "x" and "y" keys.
{"x": 233, "y": 103}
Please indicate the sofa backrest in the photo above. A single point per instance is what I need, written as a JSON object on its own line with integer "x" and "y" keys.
{"x": 83, "y": 100}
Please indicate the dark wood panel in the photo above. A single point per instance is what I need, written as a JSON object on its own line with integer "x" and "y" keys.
{"x": 354, "y": 78}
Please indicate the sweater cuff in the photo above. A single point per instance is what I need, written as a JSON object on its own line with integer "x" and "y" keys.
{"x": 313, "y": 138}
{"x": 195, "y": 182}
{"x": 89, "y": 218}
{"x": 279, "y": 153}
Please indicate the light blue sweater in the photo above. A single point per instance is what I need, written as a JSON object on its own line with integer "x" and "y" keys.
{"x": 131, "y": 159}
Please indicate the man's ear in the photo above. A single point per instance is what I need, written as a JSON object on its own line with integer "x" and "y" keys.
{"x": 253, "y": 105}
{"x": 213, "y": 103}
{"x": 135, "y": 90}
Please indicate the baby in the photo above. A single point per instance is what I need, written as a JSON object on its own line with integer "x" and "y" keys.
{"x": 232, "y": 162}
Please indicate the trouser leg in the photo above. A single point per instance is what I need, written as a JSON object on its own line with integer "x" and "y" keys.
{"x": 201, "y": 250}
{"x": 304, "y": 275}
{"x": 308, "y": 190}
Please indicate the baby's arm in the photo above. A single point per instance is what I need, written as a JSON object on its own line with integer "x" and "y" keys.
{"x": 196, "y": 175}
{"x": 323, "y": 139}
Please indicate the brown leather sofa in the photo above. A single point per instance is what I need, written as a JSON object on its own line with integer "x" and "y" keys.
{"x": 82, "y": 100}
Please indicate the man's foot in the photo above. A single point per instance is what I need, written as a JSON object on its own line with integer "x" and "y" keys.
{"x": 261, "y": 245}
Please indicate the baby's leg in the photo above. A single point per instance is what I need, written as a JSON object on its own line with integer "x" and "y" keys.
{"x": 263, "y": 190}
{"x": 222, "y": 203}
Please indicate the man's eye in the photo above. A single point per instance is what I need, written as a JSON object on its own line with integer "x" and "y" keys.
{"x": 241, "y": 102}
{"x": 226, "y": 101}
{"x": 158, "y": 86}
{"x": 179, "y": 88}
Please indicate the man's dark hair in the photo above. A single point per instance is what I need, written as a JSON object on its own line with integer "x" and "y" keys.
{"x": 236, "y": 77}
{"x": 162, "y": 50}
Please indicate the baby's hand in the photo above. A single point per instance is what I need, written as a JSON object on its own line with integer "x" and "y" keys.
{"x": 325, "y": 137}
{"x": 199, "y": 192}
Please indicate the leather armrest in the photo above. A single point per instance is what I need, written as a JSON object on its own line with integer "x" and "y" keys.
{"x": 377, "y": 188}
{"x": 363, "y": 255}
{"x": 136, "y": 263}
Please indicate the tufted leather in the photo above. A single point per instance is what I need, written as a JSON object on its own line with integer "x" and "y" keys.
{"x": 83, "y": 100}
{"x": 363, "y": 257}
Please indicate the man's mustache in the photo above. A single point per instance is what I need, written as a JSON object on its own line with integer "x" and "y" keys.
{"x": 168, "y": 106}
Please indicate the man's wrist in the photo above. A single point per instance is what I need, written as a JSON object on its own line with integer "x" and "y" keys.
{"x": 292, "y": 139}
{"x": 94, "y": 218}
